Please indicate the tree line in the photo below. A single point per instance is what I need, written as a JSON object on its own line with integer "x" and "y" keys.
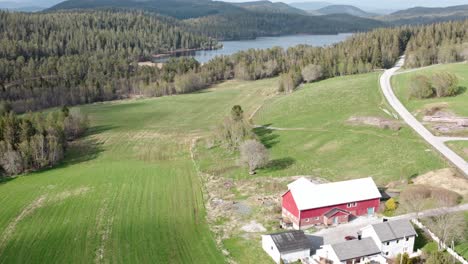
{"x": 42, "y": 73}
{"x": 35, "y": 141}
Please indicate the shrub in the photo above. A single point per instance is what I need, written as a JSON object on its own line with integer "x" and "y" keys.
{"x": 445, "y": 84}
{"x": 420, "y": 87}
{"x": 390, "y": 205}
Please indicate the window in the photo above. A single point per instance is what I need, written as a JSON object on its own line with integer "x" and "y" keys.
{"x": 386, "y": 253}
{"x": 397, "y": 241}
{"x": 349, "y": 205}
{"x": 307, "y": 220}
{"x": 271, "y": 247}
{"x": 317, "y": 218}
{"x": 407, "y": 238}
{"x": 388, "y": 243}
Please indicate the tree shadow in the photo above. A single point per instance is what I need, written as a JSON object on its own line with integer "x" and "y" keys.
{"x": 5, "y": 179}
{"x": 266, "y": 135}
{"x": 461, "y": 90}
{"x": 81, "y": 151}
{"x": 98, "y": 130}
{"x": 280, "y": 164}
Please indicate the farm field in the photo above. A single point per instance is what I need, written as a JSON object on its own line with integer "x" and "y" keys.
{"x": 316, "y": 139}
{"x": 128, "y": 192}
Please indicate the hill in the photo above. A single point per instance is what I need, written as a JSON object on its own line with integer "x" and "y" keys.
{"x": 181, "y": 9}
{"x": 426, "y": 15}
{"x": 344, "y": 9}
{"x": 308, "y": 6}
{"x": 267, "y": 6}
{"x": 233, "y": 21}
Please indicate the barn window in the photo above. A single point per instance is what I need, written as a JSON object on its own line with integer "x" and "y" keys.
{"x": 307, "y": 220}
{"x": 317, "y": 218}
{"x": 349, "y": 205}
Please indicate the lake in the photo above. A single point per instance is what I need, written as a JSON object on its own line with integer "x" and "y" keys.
{"x": 230, "y": 47}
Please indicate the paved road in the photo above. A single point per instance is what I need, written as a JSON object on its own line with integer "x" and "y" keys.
{"x": 436, "y": 142}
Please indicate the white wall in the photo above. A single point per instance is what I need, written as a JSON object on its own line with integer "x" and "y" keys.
{"x": 270, "y": 248}
{"x": 394, "y": 248}
{"x": 295, "y": 256}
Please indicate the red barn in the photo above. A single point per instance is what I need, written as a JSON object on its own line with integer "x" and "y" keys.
{"x": 307, "y": 204}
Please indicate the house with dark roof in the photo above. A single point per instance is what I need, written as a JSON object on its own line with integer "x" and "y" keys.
{"x": 392, "y": 237}
{"x": 362, "y": 250}
{"x": 289, "y": 246}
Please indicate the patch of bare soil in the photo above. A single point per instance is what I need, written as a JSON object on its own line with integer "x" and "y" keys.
{"x": 443, "y": 121}
{"x": 446, "y": 179}
{"x": 383, "y": 123}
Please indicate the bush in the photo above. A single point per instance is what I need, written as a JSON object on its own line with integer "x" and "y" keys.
{"x": 390, "y": 205}
{"x": 445, "y": 84}
{"x": 420, "y": 87}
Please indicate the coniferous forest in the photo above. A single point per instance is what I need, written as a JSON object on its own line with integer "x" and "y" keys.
{"x": 69, "y": 58}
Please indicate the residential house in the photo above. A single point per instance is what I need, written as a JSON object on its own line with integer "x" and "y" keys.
{"x": 392, "y": 237}
{"x": 306, "y": 204}
{"x": 289, "y": 246}
{"x": 362, "y": 250}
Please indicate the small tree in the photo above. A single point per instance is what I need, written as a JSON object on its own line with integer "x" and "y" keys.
{"x": 414, "y": 199}
{"x": 312, "y": 73}
{"x": 254, "y": 155}
{"x": 445, "y": 84}
{"x": 237, "y": 114}
{"x": 420, "y": 87}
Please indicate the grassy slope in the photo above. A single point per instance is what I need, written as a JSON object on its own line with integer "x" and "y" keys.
{"x": 129, "y": 188}
{"x": 460, "y": 147}
{"x": 457, "y": 104}
{"x": 327, "y": 147}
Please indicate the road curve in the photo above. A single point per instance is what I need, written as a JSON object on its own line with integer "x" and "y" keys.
{"x": 436, "y": 142}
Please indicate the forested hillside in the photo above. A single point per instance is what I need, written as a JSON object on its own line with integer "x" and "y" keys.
{"x": 74, "y": 58}
{"x": 250, "y": 25}
{"x": 227, "y": 21}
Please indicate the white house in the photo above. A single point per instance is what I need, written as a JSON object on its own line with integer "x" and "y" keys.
{"x": 363, "y": 250}
{"x": 392, "y": 237}
{"x": 289, "y": 246}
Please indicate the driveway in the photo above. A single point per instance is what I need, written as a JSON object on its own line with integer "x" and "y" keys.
{"x": 436, "y": 142}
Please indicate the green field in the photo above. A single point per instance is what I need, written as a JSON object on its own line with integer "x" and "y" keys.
{"x": 128, "y": 192}
{"x": 460, "y": 147}
{"x": 321, "y": 143}
{"x": 458, "y": 104}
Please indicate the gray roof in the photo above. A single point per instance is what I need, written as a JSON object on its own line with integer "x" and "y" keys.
{"x": 392, "y": 230}
{"x": 356, "y": 249}
{"x": 291, "y": 241}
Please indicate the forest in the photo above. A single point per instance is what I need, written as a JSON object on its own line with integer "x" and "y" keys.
{"x": 36, "y": 141}
{"x": 70, "y": 58}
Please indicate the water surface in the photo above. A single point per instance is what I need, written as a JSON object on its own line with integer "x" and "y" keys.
{"x": 230, "y": 47}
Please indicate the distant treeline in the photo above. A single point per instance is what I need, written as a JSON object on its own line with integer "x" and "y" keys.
{"x": 36, "y": 141}
{"x": 107, "y": 71}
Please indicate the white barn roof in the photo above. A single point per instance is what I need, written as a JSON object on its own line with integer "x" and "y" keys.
{"x": 309, "y": 196}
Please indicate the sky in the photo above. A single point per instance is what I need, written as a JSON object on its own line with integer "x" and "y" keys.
{"x": 383, "y": 4}
{"x": 376, "y": 4}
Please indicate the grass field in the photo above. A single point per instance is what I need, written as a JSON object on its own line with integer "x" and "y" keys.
{"x": 460, "y": 147}
{"x": 128, "y": 192}
{"x": 458, "y": 104}
{"x": 322, "y": 144}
